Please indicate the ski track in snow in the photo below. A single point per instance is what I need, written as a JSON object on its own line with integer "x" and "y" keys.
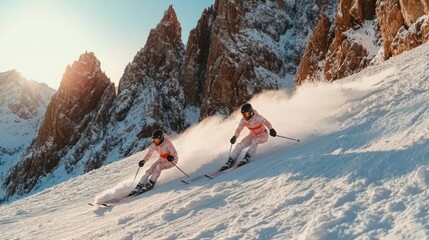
{"x": 360, "y": 171}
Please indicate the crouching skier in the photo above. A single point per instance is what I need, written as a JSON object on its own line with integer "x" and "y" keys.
{"x": 167, "y": 159}
{"x": 258, "y": 134}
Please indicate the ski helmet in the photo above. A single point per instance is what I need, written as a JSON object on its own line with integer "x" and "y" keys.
{"x": 246, "y": 108}
{"x": 247, "y": 111}
{"x": 158, "y": 134}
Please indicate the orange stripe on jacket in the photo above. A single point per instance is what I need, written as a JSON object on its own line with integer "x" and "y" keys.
{"x": 260, "y": 125}
{"x": 164, "y": 155}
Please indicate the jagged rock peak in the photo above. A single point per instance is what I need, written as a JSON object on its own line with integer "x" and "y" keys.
{"x": 81, "y": 88}
{"x": 162, "y": 44}
{"x": 83, "y": 75}
{"x": 78, "y": 102}
{"x": 169, "y": 25}
{"x": 10, "y": 75}
{"x": 87, "y": 66}
{"x": 24, "y": 98}
{"x": 168, "y": 30}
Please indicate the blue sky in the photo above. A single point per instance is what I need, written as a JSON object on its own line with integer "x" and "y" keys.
{"x": 40, "y": 38}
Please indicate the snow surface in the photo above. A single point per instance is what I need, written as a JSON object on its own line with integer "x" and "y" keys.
{"x": 360, "y": 171}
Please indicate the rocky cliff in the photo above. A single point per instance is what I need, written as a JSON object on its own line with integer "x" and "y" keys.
{"x": 151, "y": 81}
{"x": 404, "y": 24}
{"x": 362, "y": 30}
{"x": 150, "y": 95}
{"x": 241, "y": 48}
{"x": 76, "y": 104}
{"x": 194, "y": 67}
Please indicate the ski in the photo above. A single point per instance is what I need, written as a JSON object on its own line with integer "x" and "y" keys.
{"x": 113, "y": 201}
{"x": 210, "y": 175}
{"x": 187, "y": 181}
{"x": 99, "y": 205}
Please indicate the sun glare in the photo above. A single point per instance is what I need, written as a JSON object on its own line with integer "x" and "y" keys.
{"x": 40, "y": 44}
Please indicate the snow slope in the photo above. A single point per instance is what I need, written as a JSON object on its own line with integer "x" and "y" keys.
{"x": 361, "y": 171}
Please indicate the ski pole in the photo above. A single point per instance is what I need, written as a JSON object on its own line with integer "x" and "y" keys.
{"x": 288, "y": 138}
{"x": 180, "y": 169}
{"x": 136, "y": 174}
{"x": 229, "y": 154}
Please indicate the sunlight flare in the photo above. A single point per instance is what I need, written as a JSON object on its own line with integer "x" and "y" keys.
{"x": 41, "y": 43}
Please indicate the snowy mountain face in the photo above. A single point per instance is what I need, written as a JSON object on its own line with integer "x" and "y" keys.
{"x": 149, "y": 88}
{"x": 150, "y": 96}
{"x": 87, "y": 125}
{"x": 253, "y": 47}
{"x": 22, "y": 107}
{"x": 72, "y": 108}
{"x": 362, "y": 33}
{"x": 360, "y": 171}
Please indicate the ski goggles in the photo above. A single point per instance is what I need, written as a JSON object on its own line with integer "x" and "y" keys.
{"x": 156, "y": 140}
{"x": 246, "y": 114}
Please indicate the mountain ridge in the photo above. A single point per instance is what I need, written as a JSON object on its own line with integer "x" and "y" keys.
{"x": 238, "y": 49}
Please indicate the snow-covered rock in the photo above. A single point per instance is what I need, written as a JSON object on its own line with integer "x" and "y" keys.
{"x": 252, "y": 46}
{"x": 362, "y": 30}
{"x": 75, "y": 105}
{"x": 23, "y": 104}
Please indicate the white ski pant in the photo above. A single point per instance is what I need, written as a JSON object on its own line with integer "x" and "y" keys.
{"x": 155, "y": 170}
{"x": 251, "y": 141}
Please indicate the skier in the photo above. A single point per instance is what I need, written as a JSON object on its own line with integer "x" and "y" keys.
{"x": 258, "y": 134}
{"x": 167, "y": 159}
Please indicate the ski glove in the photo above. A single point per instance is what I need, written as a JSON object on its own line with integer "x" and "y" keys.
{"x": 233, "y": 139}
{"x": 141, "y": 163}
{"x": 273, "y": 132}
{"x": 170, "y": 158}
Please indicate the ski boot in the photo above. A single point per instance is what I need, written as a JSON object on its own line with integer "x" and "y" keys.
{"x": 137, "y": 189}
{"x": 228, "y": 164}
{"x": 148, "y": 186}
{"x": 245, "y": 160}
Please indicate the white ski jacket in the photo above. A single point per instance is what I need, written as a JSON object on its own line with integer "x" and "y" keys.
{"x": 164, "y": 149}
{"x": 256, "y": 124}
